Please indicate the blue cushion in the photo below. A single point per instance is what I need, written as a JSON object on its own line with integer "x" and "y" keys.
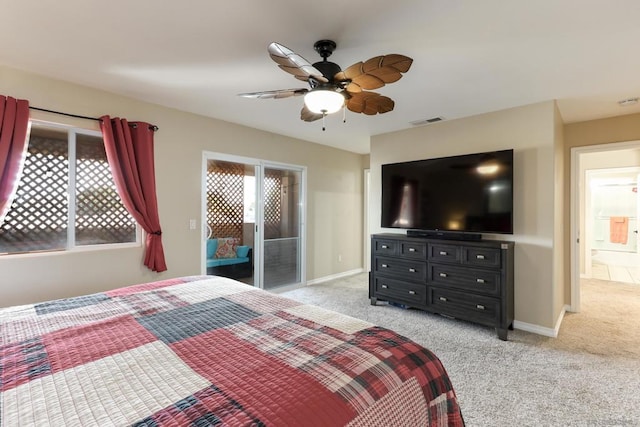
{"x": 242, "y": 251}
{"x": 225, "y": 261}
{"x": 212, "y": 247}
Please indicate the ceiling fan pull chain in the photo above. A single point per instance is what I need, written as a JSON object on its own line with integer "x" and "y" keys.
{"x": 344, "y": 113}
{"x": 324, "y": 114}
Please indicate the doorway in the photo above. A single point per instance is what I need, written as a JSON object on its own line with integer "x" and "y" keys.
{"x": 604, "y": 211}
{"x": 611, "y": 230}
{"x": 253, "y": 219}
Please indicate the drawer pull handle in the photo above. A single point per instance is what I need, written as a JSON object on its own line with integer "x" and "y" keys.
{"x": 385, "y": 247}
{"x": 443, "y": 253}
{"x": 384, "y": 266}
{"x": 479, "y": 256}
{"x": 480, "y": 307}
{"x": 412, "y": 249}
{"x": 443, "y": 274}
{"x": 384, "y": 286}
{"x": 412, "y": 270}
{"x": 443, "y": 299}
{"x": 480, "y": 280}
{"x": 412, "y": 292}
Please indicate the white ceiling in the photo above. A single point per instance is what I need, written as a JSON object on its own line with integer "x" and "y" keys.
{"x": 470, "y": 56}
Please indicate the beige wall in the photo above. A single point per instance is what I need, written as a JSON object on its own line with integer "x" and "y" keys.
{"x": 533, "y": 132}
{"x": 559, "y": 244}
{"x": 542, "y": 147}
{"x": 334, "y": 194}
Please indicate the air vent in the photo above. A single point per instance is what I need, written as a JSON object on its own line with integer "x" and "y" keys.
{"x": 426, "y": 121}
{"x": 628, "y": 101}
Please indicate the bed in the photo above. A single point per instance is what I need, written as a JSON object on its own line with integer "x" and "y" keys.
{"x": 207, "y": 350}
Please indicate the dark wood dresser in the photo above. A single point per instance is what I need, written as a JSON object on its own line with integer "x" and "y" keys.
{"x": 469, "y": 280}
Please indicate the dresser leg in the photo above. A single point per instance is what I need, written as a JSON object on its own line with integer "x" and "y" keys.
{"x": 374, "y": 301}
{"x": 502, "y": 334}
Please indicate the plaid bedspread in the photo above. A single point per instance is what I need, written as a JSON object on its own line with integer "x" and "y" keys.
{"x": 211, "y": 351}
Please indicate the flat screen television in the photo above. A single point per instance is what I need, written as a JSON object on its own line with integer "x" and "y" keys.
{"x": 471, "y": 193}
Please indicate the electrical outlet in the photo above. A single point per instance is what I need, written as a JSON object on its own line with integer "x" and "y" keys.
{"x": 192, "y": 224}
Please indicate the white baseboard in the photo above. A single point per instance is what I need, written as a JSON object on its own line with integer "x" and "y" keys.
{"x": 541, "y": 330}
{"x": 315, "y": 281}
{"x": 335, "y": 276}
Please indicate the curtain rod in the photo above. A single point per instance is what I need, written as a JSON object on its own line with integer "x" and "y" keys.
{"x": 77, "y": 116}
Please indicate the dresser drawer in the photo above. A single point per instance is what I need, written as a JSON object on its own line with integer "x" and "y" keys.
{"x": 479, "y": 309}
{"x": 473, "y": 279}
{"x": 482, "y": 257}
{"x": 444, "y": 253}
{"x": 385, "y": 247}
{"x": 411, "y": 293}
{"x": 413, "y": 250}
{"x": 400, "y": 268}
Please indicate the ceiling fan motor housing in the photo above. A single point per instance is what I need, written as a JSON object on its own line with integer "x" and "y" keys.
{"x": 328, "y": 69}
{"x": 324, "y": 48}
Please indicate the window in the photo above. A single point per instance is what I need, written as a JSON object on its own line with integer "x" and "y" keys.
{"x": 66, "y": 197}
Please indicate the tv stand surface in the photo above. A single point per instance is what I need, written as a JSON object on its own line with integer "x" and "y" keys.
{"x": 469, "y": 280}
{"x": 444, "y": 235}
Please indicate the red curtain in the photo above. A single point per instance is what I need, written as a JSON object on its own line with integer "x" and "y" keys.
{"x": 14, "y": 123}
{"x": 129, "y": 147}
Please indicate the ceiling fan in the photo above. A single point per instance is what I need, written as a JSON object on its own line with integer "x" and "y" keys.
{"x": 331, "y": 88}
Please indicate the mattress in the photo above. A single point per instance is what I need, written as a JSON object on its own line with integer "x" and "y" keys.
{"x": 208, "y": 350}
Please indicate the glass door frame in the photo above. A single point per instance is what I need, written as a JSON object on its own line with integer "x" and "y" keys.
{"x": 258, "y": 257}
{"x": 302, "y": 170}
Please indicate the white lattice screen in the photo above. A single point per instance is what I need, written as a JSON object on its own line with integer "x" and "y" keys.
{"x": 272, "y": 203}
{"x": 225, "y": 198}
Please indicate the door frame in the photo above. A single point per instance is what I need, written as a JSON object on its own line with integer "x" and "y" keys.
{"x": 302, "y": 212}
{"x": 575, "y": 193}
{"x": 258, "y": 245}
{"x": 366, "y": 255}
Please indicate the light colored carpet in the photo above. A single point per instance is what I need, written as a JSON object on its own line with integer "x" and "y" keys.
{"x": 588, "y": 376}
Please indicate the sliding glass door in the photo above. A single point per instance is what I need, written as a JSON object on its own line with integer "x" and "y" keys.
{"x": 253, "y": 213}
{"x": 282, "y": 197}
{"x": 230, "y": 201}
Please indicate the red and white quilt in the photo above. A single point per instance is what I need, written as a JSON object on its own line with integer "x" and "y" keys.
{"x": 211, "y": 351}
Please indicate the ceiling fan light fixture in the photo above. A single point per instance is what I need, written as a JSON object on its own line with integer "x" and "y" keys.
{"x": 324, "y": 101}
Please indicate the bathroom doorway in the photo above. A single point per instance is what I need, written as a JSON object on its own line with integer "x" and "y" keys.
{"x": 604, "y": 212}
{"x": 611, "y": 225}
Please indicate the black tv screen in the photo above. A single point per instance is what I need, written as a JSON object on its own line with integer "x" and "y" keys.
{"x": 468, "y": 193}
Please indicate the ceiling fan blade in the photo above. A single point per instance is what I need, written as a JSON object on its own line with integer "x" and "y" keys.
{"x": 308, "y": 115}
{"x": 375, "y": 72}
{"x": 399, "y": 62}
{"x": 293, "y": 63}
{"x": 349, "y": 73}
{"x": 274, "y": 94}
{"x": 369, "y": 103}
